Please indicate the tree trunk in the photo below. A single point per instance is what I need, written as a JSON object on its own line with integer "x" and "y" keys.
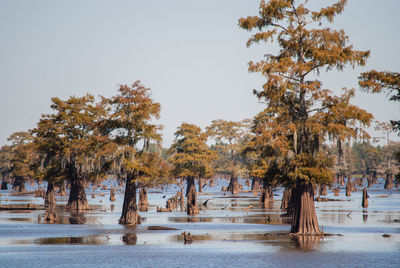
{"x": 323, "y": 189}
{"x": 348, "y": 189}
{"x": 234, "y": 185}
{"x": 286, "y": 198}
{"x": 267, "y": 196}
{"x": 19, "y": 184}
{"x": 77, "y": 201}
{"x": 191, "y": 198}
{"x": 336, "y": 191}
{"x": 389, "y": 181}
{"x": 62, "y": 191}
{"x": 4, "y": 185}
{"x": 50, "y": 198}
{"x": 304, "y": 215}
{"x": 51, "y": 215}
{"x": 255, "y": 185}
{"x": 129, "y": 209}
{"x": 365, "y": 198}
{"x": 143, "y": 199}
{"x": 200, "y": 185}
{"x": 112, "y": 195}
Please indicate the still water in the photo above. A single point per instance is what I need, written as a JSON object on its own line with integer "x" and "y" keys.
{"x": 232, "y": 231}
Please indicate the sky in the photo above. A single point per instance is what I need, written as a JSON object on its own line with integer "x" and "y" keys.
{"x": 192, "y": 55}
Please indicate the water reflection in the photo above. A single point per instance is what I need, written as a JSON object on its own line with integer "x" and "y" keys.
{"x": 51, "y": 216}
{"x": 77, "y": 218}
{"x": 306, "y": 241}
{"x": 365, "y": 215}
{"x": 81, "y": 240}
{"x": 129, "y": 239}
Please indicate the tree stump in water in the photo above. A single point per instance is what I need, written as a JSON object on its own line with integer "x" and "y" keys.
{"x": 348, "y": 189}
{"x": 143, "y": 199}
{"x": 181, "y": 199}
{"x": 336, "y": 191}
{"x": 365, "y": 198}
{"x": 112, "y": 195}
{"x": 187, "y": 238}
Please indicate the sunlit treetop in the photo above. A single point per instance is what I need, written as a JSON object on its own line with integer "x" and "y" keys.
{"x": 300, "y": 113}
{"x": 189, "y": 153}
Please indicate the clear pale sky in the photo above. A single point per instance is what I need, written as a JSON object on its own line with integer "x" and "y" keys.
{"x": 190, "y": 53}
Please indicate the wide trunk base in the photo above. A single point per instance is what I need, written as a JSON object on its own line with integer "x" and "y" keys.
{"x": 130, "y": 210}
{"x": 77, "y": 201}
{"x": 304, "y": 215}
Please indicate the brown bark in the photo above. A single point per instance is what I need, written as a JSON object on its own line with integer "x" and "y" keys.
{"x": 200, "y": 185}
{"x": 77, "y": 201}
{"x": 389, "y": 181}
{"x": 323, "y": 189}
{"x": 370, "y": 180}
{"x": 62, "y": 191}
{"x": 348, "y": 189}
{"x": 304, "y": 214}
{"x": 51, "y": 215}
{"x": 255, "y": 186}
{"x": 143, "y": 199}
{"x": 267, "y": 196}
{"x": 129, "y": 209}
{"x": 191, "y": 198}
{"x": 19, "y": 184}
{"x": 234, "y": 185}
{"x": 112, "y": 195}
{"x": 286, "y": 198}
{"x": 365, "y": 198}
{"x": 336, "y": 191}
{"x": 50, "y": 198}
